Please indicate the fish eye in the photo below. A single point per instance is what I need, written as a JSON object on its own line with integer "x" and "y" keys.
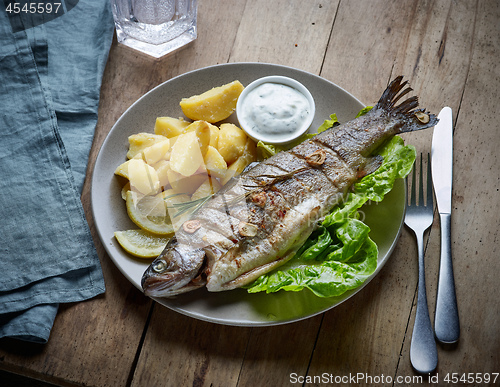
{"x": 160, "y": 266}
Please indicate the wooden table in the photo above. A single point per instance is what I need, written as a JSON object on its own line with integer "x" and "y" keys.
{"x": 449, "y": 50}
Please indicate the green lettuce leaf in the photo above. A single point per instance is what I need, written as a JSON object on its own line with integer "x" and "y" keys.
{"x": 333, "y": 121}
{"x": 343, "y": 266}
{"x": 364, "y": 111}
{"x": 398, "y": 161}
{"x": 340, "y": 255}
{"x": 267, "y": 150}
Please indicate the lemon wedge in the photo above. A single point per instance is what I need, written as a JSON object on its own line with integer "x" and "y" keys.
{"x": 149, "y": 213}
{"x": 141, "y": 243}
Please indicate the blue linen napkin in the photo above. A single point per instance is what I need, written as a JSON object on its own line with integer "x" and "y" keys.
{"x": 50, "y": 78}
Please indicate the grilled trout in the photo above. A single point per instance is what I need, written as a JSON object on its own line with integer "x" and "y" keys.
{"x": 259, "y": 219}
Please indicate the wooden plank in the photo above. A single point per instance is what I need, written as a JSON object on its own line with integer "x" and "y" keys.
{"x": 475, "y": 225}
{"x": 438, "y": 46}
{"x": 291, "y": 33}
{"x": 364, "y": 43}
{"x": 278, "y": 355}
{"x": 180, "y": 350}
{"x": 364, "y": 334}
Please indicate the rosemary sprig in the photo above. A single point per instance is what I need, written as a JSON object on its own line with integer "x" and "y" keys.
{"x": 184, "y": 207}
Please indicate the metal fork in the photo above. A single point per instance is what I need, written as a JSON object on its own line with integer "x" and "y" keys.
{"x": 419, "y": 217}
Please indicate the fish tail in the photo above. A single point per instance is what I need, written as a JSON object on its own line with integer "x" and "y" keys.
{"x": 415, "y": 119}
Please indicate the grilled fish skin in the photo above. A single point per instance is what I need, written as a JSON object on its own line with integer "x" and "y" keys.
{"x": 259, "y": 220}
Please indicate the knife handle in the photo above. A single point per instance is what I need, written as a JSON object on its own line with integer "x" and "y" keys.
{"x": 446, "y": 320}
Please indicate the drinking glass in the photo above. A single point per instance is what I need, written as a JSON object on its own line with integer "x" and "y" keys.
{"x": 155, "y": 27}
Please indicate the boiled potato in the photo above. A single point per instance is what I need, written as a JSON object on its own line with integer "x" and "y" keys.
{"x": 185, "y": 185}
{"x": 139, "y": 142}
{"x": 172, "y": 142}
{"x": 203, "y": 134}
{"x": 143, "y": 177}
{"x": 249, "y": 155}
{"x": 186, "y": 156}
{"x": 213, "y": 105}
{"x": 232, "y": 142}
{"x": 207, "y": 188}
{"x": 215, "y": 163}
{"x": 162, "y": 167}
{"x": 122, "y": 169}
{"x": 156, "y": 152}
{"x": 214, "y": 135}
{"x": 170, "y": 127}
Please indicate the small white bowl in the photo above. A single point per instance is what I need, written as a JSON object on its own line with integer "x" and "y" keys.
{"x": 258, "y": 136}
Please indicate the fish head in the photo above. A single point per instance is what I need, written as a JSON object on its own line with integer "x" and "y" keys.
{"x": 177, "y": 270}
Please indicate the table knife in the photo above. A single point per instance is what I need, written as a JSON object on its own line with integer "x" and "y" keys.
{"x": 446, "y": 320}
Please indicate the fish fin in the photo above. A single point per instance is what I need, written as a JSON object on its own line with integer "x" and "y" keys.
{"x": 415, "y": 119}
{"x": 373, "y": 163}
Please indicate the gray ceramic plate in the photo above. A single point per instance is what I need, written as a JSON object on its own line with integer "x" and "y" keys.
{"x": 235, "y": 307}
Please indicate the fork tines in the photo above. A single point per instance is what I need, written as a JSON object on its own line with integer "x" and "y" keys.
{"x": 429, "y": 192}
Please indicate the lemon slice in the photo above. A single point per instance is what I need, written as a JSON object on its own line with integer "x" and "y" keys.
{"x": 141, "y": 243}
{"x": 124, "y": 190}
{"x": 149, "y": 213}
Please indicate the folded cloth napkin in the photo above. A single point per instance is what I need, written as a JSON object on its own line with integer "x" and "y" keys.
{"x": 50, "y": 78}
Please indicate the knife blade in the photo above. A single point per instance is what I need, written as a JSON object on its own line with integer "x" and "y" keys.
{"x": 446, "y": 319}
{"x": 442, "y": 160}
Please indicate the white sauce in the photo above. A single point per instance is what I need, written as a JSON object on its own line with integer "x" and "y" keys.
{"x": 275, "y": 110}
